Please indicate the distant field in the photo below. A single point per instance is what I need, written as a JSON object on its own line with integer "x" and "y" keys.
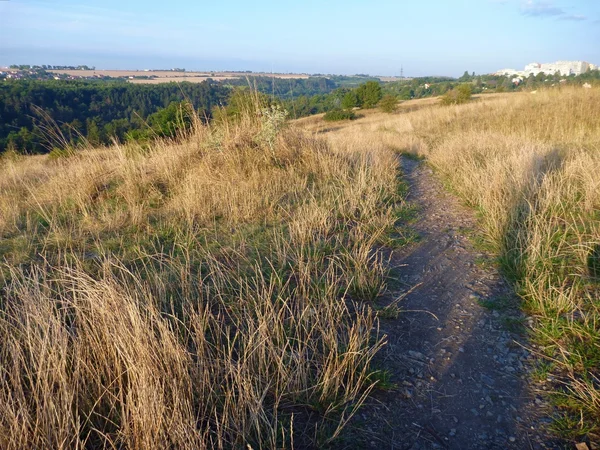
{"x": 198, "y": 79}
{"x": 167, "y": 75}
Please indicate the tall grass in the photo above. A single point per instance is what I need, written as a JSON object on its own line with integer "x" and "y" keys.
{"x": 205, "y": 292}
{"x": 530, "y": 164}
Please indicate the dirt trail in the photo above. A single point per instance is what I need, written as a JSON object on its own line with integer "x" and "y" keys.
{"x": 460, "y": 367}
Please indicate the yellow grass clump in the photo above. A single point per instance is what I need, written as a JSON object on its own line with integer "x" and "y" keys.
{"x": 206, "y": 292}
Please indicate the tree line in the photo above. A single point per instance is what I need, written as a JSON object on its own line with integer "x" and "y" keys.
{"x": 453, "y": 90}
{"x": 98, "y": 112}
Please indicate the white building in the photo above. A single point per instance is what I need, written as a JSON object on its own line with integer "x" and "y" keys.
{"x": 564, "y": 68}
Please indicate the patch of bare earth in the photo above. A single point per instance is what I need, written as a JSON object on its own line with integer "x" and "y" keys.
{"x": 461, "y": 369}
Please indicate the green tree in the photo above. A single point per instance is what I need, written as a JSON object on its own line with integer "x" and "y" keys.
{"x": 507, "y": 84}
{"x": 175, "y": 118}
{"x": 93, "y": 132}
{"x": 339, "y": 114}
{"x": 369, "y": 94}
{"x": 242, "y": 102}
{"x": 465, "y": 77}
{"x": 530, "y": 83}
{"x": 350, "y": 100}
{"x": 460, "y": 94}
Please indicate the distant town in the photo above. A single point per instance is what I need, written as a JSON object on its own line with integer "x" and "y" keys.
{"x": 564, "y": 68}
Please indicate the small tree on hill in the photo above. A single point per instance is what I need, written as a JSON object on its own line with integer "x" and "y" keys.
{"x": 388, "y": 104}
{"x": 460, "y": 94}
{"x": 339, "y": 114}
{"x": 350, "y": 100}
{"x": 369, "y": 94}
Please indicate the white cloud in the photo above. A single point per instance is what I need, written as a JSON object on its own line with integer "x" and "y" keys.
{"x": 543, "y": 8}
{"x": 540, "y": 8}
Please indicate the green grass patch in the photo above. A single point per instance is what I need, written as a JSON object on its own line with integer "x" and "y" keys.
{"x": 499, "y": 303}
{"x": 383, "y": 379}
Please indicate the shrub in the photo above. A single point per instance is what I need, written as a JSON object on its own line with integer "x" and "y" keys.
{"x": 350, "y": 100}
{"x": 272, "y": 122}
{"x": 458, "y": 95}
{"x": 339, "y": 114}
{"x": 242, "y": 103}
{"x": 388, "y": 104}
{"x": 172, "y": 120}
{"x": 369, "y": 94}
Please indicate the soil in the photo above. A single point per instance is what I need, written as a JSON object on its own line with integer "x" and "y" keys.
{"x": 457, "y": 353}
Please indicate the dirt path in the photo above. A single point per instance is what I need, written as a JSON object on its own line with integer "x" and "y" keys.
{"x": 459, "y": 366}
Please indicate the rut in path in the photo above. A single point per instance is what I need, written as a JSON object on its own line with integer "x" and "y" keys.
{"x": 461, "y": 370}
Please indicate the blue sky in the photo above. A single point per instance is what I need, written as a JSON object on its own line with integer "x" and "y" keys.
{"x": 433, "y": 37}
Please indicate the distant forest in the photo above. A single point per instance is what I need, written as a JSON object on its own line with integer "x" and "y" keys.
{"x": 422, "y": 87}
{"x": 98, "y": 111}
{"x": 291, "y": 88}
{"x": 101, "y": 110}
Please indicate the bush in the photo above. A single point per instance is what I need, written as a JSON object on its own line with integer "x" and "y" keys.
{"x": 339, "y": 114}
{"x": 176, "y": 120}
{"x": 389, "y": 104}
{"x": 272, "y": 122}
{"x": 458, "y": 95}
{"x": 350, "y": 100}
{"x": 242, "y": 103}
{"x": 369, "y": 94}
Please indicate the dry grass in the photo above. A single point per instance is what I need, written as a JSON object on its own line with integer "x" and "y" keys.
{"x": 531, "y": 165}
{"x": 205, "y": 293}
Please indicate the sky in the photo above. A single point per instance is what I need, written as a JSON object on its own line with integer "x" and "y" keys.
{"x": 433, "y": 37}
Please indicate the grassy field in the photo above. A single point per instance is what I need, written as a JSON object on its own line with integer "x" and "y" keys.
{"x": 208, "y": 292}
{"x": 215, "y": 291}
{"x": 530, "y": 165}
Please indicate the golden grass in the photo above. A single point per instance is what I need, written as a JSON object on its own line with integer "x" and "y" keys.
{"x": 204, "y": 293}
{"x": 531, "y": 165}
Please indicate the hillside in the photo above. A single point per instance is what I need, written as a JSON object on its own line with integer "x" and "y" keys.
{"x": 528, "y": 166}
{"x": 255, "y": 282}
{"x": 207, "y": 292}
